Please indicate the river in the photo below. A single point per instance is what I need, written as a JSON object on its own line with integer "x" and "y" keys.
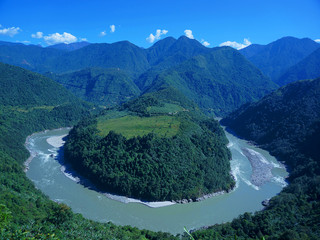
{"x": 46, "y": 171}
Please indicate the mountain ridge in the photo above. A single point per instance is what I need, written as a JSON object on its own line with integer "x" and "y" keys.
{"x": 70, "y": 46}
{"x": 307, "y": 68}
{"x": 276, "y": 57}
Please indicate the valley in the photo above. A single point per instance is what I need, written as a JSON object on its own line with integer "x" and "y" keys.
{"x": 143, "y": 130}
{"x": 62, "y": 185}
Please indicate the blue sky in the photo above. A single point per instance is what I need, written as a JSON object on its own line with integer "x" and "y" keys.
{"x": 236, "y": 23}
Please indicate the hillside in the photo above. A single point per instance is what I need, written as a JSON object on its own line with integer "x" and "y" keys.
{"x": 31, "y": 57}
{"x": 308, "y": 68}
{"x": 286, "y": 123}
{"x": 281, "y": 120}
{"x": 151, "y": 150}
{"x": 252, "y": 50}
{"x": 123, "y": 55}
{"x": 218, "y": 82}
{"x": 107, "y": 87}
{"x": 20, "y": 87}
{"x": 276, "y": 57}
{"x": 25, "y": 212}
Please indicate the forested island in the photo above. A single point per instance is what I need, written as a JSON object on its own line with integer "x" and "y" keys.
{"x": 151, "y": 153}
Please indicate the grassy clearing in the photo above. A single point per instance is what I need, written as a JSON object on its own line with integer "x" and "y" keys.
{"x": 130, "y": 126}
{"x": 167, "y": 108}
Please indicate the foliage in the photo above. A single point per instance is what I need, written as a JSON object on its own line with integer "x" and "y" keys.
{"x": 108, "y": 87}
{"x": 25, "y": 212}
{"x": 141, "y": 104}
{"x": 132, "y": 126}
{"x": 286, "y": 123}
{"x": 218, "y": 82}
{"x": 20, "y": 87}
{"x": 150, "y": 167}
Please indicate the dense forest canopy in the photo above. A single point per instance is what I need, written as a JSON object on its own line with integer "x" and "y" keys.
{"x": 168, "y": 156}
{"x": 286, "y": 123}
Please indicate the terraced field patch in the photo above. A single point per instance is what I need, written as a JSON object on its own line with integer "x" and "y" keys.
{"x": 130, "y": 126}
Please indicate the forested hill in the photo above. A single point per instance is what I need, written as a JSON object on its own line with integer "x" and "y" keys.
{"x": 152, "y": 150}
{"x": 308, "y": 68}
{"x": 107, "y": 87}
{"x": 218, "y": 82}
{"x": 287, "y": 124}
{"x": 275, "y": 58}
{"x": 31, "y": 102}
{"x": 284, "y": 121}
{"x": 20, "y": 87}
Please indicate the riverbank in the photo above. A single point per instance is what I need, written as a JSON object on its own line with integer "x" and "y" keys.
{"x": 46, "y": 173}
{"x": 261, "y": 173}
{"x": 55, "y": 143}
{"x": 58, "y": 142}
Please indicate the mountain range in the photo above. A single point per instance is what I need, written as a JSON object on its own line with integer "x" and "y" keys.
{"x": 179, "y": 77}
{"x": 275, "y": 58}
{"x": 307, "y": 68}
{"x": 218, "y": 79}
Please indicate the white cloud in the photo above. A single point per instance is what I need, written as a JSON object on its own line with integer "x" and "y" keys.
{"x": 112, "y": 28}
{"x": 317, "y": 40}
{"x": 236, "y": 45}
{"x": 164, "y": 32}
{"x": 157, "y": 36}
{"x": 103, "y": 33}
{"x": 56, "y": 38}
{"x": 83, "y": 39}
{"x": 188, "y": 33}
{"x": 205, "y": 43}
{"x": 9, "y": 31}
{"x": 151, "y": 38}
{"x": 37, "y": 35}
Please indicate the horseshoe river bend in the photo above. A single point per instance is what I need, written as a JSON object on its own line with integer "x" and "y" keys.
{"x": 259, "y": 176}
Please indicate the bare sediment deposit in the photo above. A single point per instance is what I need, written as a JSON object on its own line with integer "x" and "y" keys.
{"x": 261, "y": 168}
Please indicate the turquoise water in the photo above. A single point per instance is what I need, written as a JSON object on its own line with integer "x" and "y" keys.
{"x": 45, "y": 171}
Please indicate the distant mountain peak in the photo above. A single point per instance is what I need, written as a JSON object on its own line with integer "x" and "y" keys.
{"x": 70, "y": 46}
{"x": 275, "y": 58}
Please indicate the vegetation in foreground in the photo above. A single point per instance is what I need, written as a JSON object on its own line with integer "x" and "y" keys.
{"x": 25, "y": 213}
{"x": 286, "y": 123}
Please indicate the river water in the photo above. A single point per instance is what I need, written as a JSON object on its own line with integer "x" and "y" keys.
{"x": 46, "y": 172}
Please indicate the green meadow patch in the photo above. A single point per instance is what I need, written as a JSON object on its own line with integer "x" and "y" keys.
{"x": 130, "y": 126}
